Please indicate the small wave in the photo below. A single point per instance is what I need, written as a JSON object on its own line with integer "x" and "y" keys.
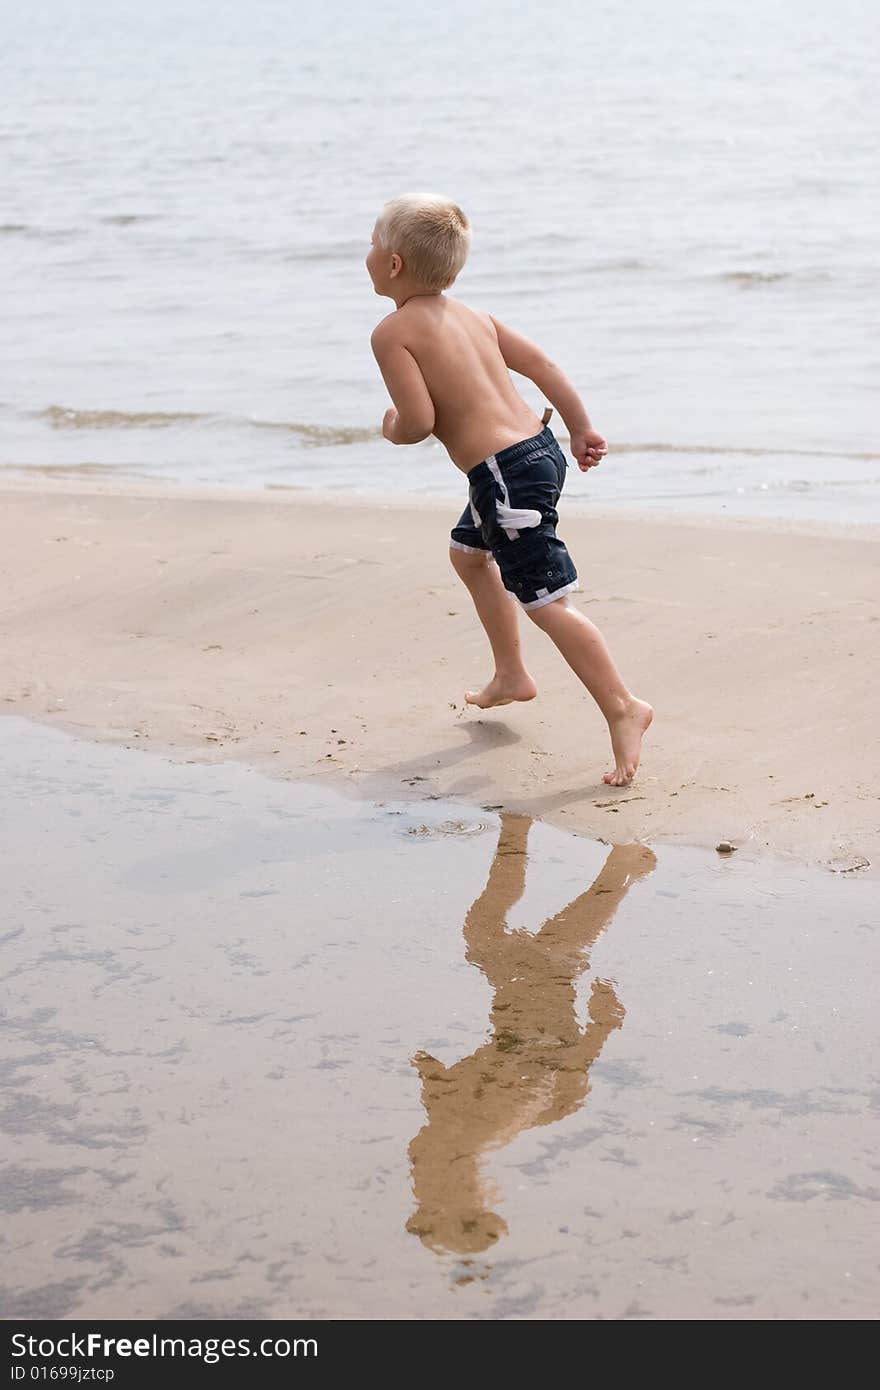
{"x": 319, "y": 436}
{"x": 62, "y": 418}
{"x": 81, "y": 470}
{"x": 38, "y": 233}
{"x": 753, "y": 277}
{"x": 807, "y": 485}
{"x": 620, "y": 263}
{"x": 807, "y": 274}
{"x": 312, "y": 436}
{"x": 742, "y": 449}
{"x": 125, "y": 219}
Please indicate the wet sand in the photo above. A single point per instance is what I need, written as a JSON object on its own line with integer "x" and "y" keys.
{"x": 331, "y": 639}
{"x": 273, "y": 1051}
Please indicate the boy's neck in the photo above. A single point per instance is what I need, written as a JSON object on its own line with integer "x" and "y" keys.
{"x": 403, "y": 296}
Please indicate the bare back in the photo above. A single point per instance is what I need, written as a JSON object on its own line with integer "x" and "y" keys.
{"x": 477, "y": 409}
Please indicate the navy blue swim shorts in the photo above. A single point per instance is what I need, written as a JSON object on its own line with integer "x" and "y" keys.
{"x": 512, "y": 514}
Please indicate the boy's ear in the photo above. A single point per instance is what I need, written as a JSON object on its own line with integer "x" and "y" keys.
{"x": 396, "y": 264}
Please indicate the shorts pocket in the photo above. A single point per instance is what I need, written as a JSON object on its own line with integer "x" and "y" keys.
{"x": 533, "y": 484}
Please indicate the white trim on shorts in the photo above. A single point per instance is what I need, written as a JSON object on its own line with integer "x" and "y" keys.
{"x": 470, "y": 549}
{"x": 543, "y": 598}
{"x": 510, "y": 518}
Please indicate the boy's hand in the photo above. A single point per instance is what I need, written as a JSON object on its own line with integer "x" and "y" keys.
{"x": 588, "y": 448}
{"x": 389, "y": 423}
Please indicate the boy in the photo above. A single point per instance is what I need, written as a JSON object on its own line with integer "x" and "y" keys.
{"x": 446, "y": 369}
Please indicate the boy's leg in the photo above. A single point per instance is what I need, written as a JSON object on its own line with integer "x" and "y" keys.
{"x": 583, "y": 646}
{"x": 497, "y": 612}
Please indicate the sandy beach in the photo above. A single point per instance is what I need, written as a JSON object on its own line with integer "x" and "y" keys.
{"x": 325, "y": 639}
{"x": 253, "y": 1015}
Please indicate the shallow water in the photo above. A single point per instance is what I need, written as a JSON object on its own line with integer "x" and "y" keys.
{"x": 273, "y": 1052}
{"x": 683, "y": 214}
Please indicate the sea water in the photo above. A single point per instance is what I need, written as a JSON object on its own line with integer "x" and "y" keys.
{"x": 679, "y": 202}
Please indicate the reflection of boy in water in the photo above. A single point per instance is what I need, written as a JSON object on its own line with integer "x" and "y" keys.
{"x": 535, "y": 1067}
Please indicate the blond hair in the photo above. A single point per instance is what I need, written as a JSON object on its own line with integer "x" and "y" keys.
{"x": 430, "y": 233}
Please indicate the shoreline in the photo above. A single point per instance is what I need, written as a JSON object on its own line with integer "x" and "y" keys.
{"x": 62, "y": 481}
{"x": 217, "y": 624}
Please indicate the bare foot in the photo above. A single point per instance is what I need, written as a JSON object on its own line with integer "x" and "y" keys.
{"x": 626, "y": 742}
{"x": 503, "y": 692}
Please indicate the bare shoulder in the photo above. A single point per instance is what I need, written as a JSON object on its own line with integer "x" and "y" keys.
{"x": 476, "y": 316}
{"x": 388, "y": 330}
{"x": 423, "y": 324}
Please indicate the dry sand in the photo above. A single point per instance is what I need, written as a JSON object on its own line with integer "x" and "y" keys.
{"x": 332, "y": 639}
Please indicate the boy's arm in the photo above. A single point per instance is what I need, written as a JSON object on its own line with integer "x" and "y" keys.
{"x": 525, "y": 357}
{"x": 412, "y": 418}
